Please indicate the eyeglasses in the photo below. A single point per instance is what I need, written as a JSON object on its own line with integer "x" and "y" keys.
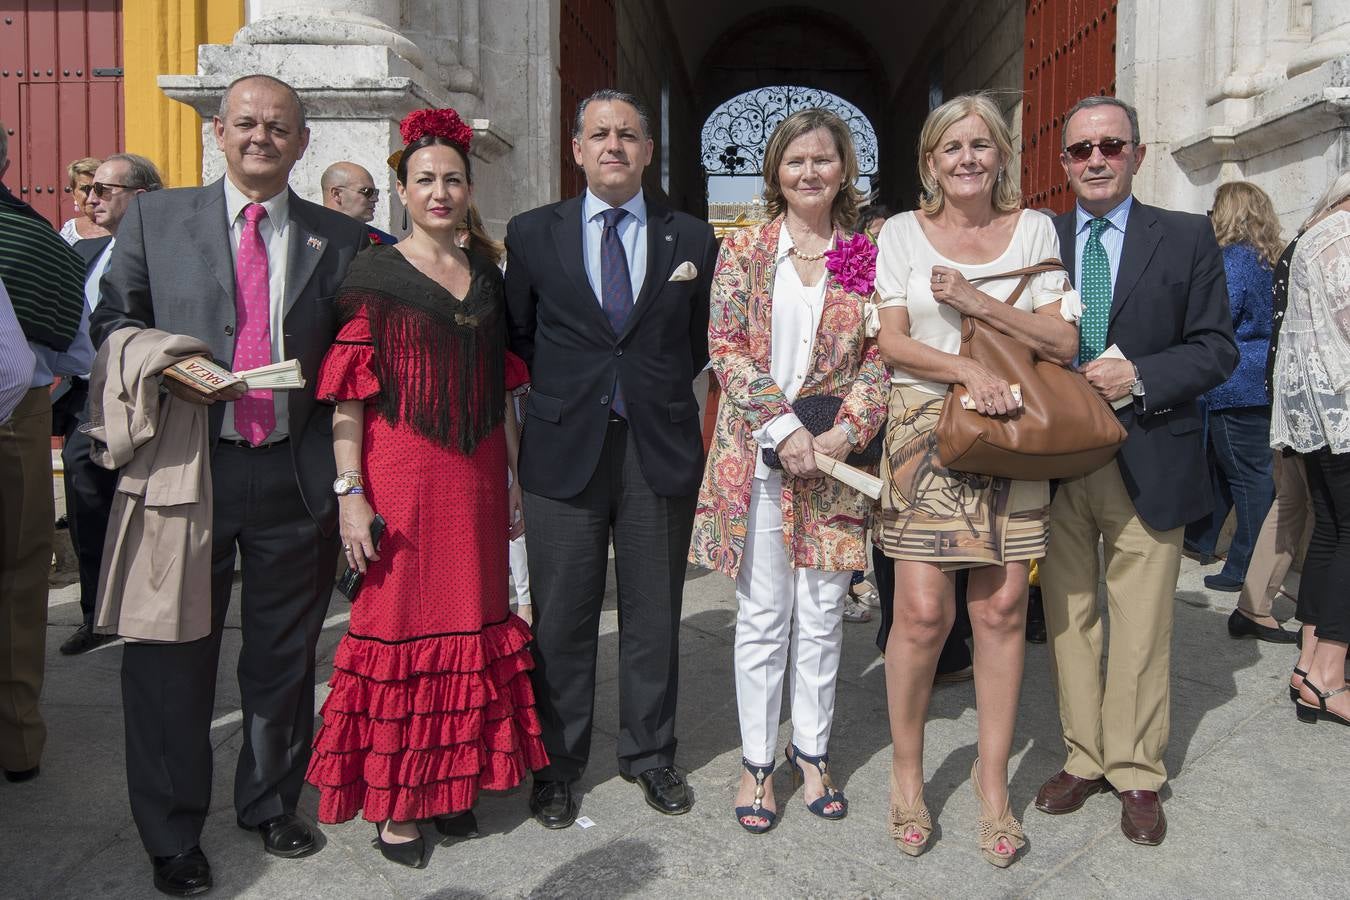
{"x": 100, "y": 190}
{"x": 370, "y": 193}
{"x": 1082, "y": 151}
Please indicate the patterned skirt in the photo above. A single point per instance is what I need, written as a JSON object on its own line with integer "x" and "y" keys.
{"x": 952, "y": 519}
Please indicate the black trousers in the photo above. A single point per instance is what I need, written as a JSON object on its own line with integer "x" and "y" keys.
{"x": 89, "y": 495}
{"x": 169, "y": 690}
{"x": 1323, "y": 599}
{"x": 568, "y": 544}
{"x": 955, "y": 654}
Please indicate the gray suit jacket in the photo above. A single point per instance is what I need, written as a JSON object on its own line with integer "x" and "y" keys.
{"x": 173, "y": 269}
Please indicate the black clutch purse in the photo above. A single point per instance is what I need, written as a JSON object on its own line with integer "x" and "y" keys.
{"x": 817, "y": 414}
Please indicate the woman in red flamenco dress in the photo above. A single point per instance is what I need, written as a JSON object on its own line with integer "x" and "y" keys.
{"x": 431, "y": 698}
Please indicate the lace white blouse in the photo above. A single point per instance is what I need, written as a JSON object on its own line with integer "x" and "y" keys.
{"x": 1310, "y": 404}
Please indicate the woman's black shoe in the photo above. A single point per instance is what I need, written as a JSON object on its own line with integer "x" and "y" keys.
{"x": 1239, "y": 626}
{"x": 462, "y": 825}
{"x": 409, "y": 853}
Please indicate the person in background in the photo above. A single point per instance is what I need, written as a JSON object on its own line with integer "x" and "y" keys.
{"x": 970, "y": 225}
{"x": 349, "y": 189}
{"x": 16, "y": 359}
{"x": 42, "y": 277}
{"x": 1310, "y": 416}
{"x": 788, "y": 323}
{"x": 79, "y": 180}
{"x": 90, "y": 487}
{"x": 870, "y": 219}
{"x": 1238, "y": 411}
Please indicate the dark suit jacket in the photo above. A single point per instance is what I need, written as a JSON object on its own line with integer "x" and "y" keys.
{"x": 89, "y": 249}
{"x": 173, "y": 269}
{"x": 1170, "y": 317}
{"x": 558, "y": 327}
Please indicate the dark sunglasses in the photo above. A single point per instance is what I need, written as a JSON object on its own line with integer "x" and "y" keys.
{"x": 100, "y": 190}
{"x": 369, "y": 193}
{"x": 1082, "y": 151}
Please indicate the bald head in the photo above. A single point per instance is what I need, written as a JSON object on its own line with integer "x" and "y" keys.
{"x": 349, "y": 189}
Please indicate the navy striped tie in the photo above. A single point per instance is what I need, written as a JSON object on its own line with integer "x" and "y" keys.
{"x": 616, "y": 285}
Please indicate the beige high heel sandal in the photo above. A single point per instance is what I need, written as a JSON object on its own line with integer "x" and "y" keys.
{"x": 905, "y": 815}
{"x": 991, "y": 831}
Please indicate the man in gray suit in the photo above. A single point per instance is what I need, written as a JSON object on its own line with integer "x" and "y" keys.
{"x": 247, "y": 266}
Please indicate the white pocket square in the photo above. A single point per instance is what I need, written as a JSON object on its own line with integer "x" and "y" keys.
{"x": 685, "y": 271}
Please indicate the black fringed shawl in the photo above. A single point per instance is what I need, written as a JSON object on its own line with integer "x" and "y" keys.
{"x": 440, "y": 361}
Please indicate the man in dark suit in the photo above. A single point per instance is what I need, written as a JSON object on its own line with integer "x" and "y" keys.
{"x": 1155, "y": 334}
{"x": 89, "y": 486}
{"x": 248, "y": 267}
{"x": 607, "y": 302}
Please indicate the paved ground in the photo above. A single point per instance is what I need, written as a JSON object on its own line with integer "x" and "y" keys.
{"x": 1258, "y": 803}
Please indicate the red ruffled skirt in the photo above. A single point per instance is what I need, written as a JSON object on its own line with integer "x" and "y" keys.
{"x": 415, "y": 729}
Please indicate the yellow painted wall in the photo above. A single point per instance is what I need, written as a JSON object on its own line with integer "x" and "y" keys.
{"x": 160, "y": 37}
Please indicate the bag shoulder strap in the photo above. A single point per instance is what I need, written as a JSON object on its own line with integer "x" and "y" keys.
{"x": 1025, "y": 274}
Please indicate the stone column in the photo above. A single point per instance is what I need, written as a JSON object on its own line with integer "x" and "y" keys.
{"x": 1331, "y": 36}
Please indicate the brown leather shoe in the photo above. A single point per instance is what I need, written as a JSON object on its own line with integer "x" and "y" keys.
{"x": 1141, "y": 817}
{"x": 1065, "y": 793}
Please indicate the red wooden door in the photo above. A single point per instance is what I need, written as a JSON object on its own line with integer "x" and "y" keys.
{"x": 60, "y": 93}
{"x": 1069, "y": 53}
{"x": 587, "y": 40}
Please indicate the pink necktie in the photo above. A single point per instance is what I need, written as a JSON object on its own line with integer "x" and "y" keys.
{"x": 254, "y": 413}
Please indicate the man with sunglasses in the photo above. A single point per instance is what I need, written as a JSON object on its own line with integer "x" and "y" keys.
{"x": 349, "y": 189}
{"x": 1155, "y": 334}
{"x": 89, "y": 486}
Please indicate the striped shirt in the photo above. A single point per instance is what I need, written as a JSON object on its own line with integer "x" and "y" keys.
{"x": 16, "y": 360}
{"x": 44, "y": 277}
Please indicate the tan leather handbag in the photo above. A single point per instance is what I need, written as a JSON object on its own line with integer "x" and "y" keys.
{"x": 1064, "y": 428}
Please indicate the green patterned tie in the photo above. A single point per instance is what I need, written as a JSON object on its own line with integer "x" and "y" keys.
{"x": 1096, "y": 292}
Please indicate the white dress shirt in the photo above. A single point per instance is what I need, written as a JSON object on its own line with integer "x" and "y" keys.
{"x": 272, "y": 228}
{"x": 632, "y": 234}
{"x": 91, "y": 281}
{"x": 797, "y": 308}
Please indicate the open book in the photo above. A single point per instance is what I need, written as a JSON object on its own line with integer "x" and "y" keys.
{"x": 206, "y": 376}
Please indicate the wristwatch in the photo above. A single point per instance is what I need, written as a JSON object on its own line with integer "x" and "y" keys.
{"x": 348, "y": 483}
{"x": 1137, "y": 389}
{"x": 850, "y": 433}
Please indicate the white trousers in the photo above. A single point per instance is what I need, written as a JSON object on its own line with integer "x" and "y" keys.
{"x": 520, "y": 570}
{"x": 774, "y": 600}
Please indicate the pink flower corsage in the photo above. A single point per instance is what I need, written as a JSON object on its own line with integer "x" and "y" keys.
{"x": 854, "y": 264}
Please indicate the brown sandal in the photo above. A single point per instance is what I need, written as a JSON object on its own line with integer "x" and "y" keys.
{"x": 991, "y": 831}
{"x": 904, "y": 816}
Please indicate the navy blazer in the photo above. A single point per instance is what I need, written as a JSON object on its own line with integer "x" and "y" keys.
{"x": 558, "y": 327}
{"x": 1169, "y": 316}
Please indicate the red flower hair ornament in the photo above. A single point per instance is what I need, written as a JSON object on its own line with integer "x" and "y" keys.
{"x": 444, "y": 123}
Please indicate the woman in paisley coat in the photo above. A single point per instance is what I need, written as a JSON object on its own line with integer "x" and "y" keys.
{"x": 789, "y": 313}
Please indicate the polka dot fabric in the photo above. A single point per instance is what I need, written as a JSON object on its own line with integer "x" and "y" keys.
{"x": 431, "y": 698}
{"x": 254, "y": 413}
{"x": 1096, "y": 293}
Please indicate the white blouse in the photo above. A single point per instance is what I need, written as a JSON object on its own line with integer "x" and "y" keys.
{"x": 905, "y": 261}
{"x": 796, "y": 317}
{"x": 1310, "y": 406}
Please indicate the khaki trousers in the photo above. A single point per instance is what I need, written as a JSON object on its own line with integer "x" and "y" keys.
{"x": 1115, "y": 727}
{"x": 1283, "y": 534}
{"x": 27, "y": 511}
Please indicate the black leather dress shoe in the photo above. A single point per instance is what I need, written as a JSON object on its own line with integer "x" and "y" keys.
{"x": 1221, "y": 582}
{"x": 15, "y": 777}
{"x": 84, "y": 640}
{"x": 552, "y": 803}
{"x": 1239, "y": 626}
{"x": 285, "y": 835}
{"x": 183, "y": 875}
{"x": 664, "y": 789}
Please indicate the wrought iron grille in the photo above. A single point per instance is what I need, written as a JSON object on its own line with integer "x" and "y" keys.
{"x": 735, "y": 135}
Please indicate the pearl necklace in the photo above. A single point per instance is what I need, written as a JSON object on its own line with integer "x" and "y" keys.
{"x": 812, "y": 257}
